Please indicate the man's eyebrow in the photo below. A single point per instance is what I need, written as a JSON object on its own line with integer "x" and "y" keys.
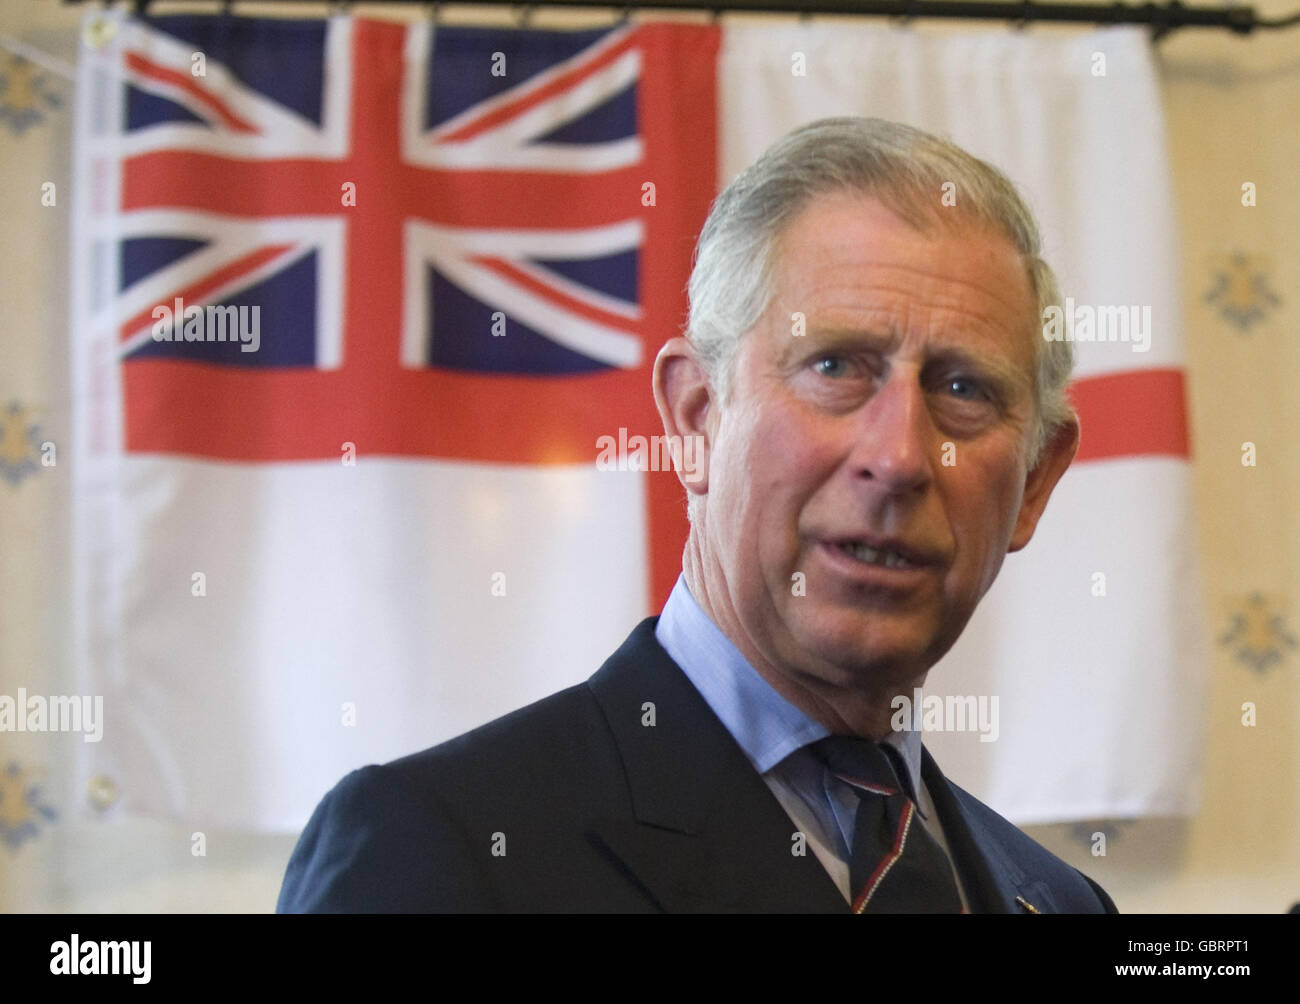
{"x": 846, "y": 339}
{"x": 845, "y": 336}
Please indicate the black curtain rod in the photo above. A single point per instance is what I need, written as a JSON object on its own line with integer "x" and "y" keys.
{"x": 1162, "y": 18}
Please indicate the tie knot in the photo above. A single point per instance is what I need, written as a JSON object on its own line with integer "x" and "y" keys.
{"x": 858, "y": 762}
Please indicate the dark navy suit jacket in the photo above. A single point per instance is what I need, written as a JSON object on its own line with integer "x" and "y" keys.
{"x": 573, "y": 804}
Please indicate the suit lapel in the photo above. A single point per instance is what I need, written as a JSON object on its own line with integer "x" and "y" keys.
{"x": 994, "y": 883}
{"x": 704, "y": 832}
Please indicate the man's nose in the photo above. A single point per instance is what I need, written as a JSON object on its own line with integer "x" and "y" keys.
{"x": 895, "y": 435}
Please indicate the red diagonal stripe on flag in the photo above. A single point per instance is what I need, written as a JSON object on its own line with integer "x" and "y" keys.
{"x": 521, "y": 104}
{"x": 582, "y": 308}
{"x": 1132, "y": 414}
{"x": 197, "y": 293}
{"x": 187, "y": 83}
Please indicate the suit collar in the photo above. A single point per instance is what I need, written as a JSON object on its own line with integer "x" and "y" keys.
{"x": 705, "y": 833}
{"x": 763, "y": 722}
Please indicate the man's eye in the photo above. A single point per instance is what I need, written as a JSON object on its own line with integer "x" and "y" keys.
{"x": 831, "y": 366}
{"x": 964, "y": 387}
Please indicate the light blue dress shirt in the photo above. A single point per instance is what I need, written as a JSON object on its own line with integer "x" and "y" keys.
{"x": 775, "y": 736}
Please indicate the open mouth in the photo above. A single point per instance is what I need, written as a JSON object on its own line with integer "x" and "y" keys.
{"x": 885, "y": 557}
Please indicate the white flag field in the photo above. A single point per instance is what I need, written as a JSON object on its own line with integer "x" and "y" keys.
{"x": 264, "y": 610}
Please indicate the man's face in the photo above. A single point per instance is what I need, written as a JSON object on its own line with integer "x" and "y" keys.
{"x": 900, "y": 420}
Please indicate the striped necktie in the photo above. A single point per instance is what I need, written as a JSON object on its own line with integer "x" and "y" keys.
{"x": 896, "y": 866}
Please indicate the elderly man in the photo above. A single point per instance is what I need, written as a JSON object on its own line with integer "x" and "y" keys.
{"x": 879, "y": 422}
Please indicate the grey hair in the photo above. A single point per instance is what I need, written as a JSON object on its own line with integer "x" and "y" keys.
{"x": 906, "y": 169}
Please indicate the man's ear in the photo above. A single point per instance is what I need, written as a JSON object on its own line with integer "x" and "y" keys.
{"x": 1039, "y": 483}
{"x": 687, "y": 410}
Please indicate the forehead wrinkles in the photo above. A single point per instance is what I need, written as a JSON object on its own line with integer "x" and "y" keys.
{"x": 842, "y": 284}
{"x": 898, "y": 316}
{"x": 837, "y": 294}
{"x": 940, "y": 327}
{"x": 857, "y": 231}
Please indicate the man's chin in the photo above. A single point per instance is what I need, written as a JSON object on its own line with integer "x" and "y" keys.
{"x": 883, "y": 649}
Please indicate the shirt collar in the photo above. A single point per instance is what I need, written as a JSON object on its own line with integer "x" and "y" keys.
{"x": 765, "y": 725}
